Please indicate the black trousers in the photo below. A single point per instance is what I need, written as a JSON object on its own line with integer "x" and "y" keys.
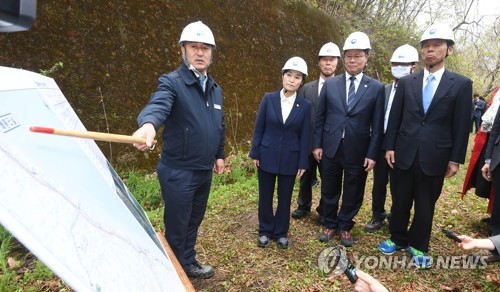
{"x": 185, "y": 193}
{"x": 304, "y": 199}
{"x": 354, "y": 181}
{"x": 495, "y": 214}
{"x": 381, "y": 176}
{"x": 413, "y": 186}
{"x": 274, "y": 225}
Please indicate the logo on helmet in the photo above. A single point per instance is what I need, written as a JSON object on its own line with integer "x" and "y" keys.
{"x": 432, "y": 31}
{"x": 295, "y": 64}
{"x": 353, "y": 41}
{"x": 200, "y": 34}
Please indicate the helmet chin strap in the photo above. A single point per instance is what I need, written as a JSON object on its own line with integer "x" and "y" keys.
{"x": 191, "y": 67}
{"x": 433, "y": 65}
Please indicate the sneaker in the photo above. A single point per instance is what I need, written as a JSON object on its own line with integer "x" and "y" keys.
{"x": 283, "y": 242}
{"x": 299, "y": 213}
{"x": 346, "y": 238}
{"x": 199, "y": 271}
{"x": 374, "y": 225}
{"x": 327, "y": 235}
{"x": 263, "y": 241}
{"x": 388, "y": 247}
{"x": 420, "y": 259}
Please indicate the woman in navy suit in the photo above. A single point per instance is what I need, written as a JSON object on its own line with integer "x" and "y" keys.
{"x": 280, "y": 150}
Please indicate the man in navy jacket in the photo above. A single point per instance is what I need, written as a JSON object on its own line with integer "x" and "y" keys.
{"x": 188, "y": 104}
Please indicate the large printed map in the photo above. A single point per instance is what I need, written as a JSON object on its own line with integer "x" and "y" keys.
{"x": 60, "y": 197}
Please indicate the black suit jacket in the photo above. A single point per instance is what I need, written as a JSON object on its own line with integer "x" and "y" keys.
{"x": 310, "y": 92}
{"x": 492, "y": 150}
{"x": 438, "y": 136}
{"x": 362, "y": 124}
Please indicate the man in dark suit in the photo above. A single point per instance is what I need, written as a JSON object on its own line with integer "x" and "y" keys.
{"x": 478, "y": 107}
{"x": 347, "y": 137}
{"x": 402, "y": 63}
{"x": 491, "y": 172}
{"x": 426, "y": 140}
{"x": 328, "y": 58}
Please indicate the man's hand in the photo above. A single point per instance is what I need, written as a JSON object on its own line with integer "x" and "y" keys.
{"x": 148, "y": 132}
{"x": 318, "y": 154}
{"x": 390, "y": 158}
{"x": 256, "y": 163}
{"x": 486, "y": 172}
{"x": 369, "y": 164}
{"x": 300, "y": 172}
{"x": 219, "y": 166}
{"x": 452, "y": 169}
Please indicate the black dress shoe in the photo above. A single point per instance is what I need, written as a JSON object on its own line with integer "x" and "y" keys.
{"x": 374, "y": 225}
{"x": 263, "y": 241}
{"x": 299, "y": 213}
{"x": 199, "y": 271}
{"x": 283, "y": 242}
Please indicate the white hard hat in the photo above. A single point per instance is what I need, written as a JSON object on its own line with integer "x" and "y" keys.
{"x": 438, "y": 31}
{"x": 329, "y": 49}
{"x": 296, "y": 63}
{"x": 357, "y": 41}
{"x": 197, "y": 32}
{"x": 405, "y": 54}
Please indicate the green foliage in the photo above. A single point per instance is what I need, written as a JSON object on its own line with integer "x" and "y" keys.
{"x": 145, "y": 188}
{"x": 7, "y": 277}
{"x": 53, "y": 69}
{"x": 5, "y": 248}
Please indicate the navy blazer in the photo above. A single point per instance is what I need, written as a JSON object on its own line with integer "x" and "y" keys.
{"x": 363, "y": 123}
{"x": 438, "y": 136}
{"x": 282, "y": 148}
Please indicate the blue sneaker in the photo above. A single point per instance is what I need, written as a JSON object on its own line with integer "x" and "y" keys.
{"x": 420, "y": 259}
{"x": 388, "y": 247}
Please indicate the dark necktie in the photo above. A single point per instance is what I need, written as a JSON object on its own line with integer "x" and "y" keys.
{"x": 352, "y": 91}
{"x": 201, "y": 81}
{"x": 428, "y": 92}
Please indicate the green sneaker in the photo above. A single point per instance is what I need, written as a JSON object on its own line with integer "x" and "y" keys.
{"x": 420, "y": 259}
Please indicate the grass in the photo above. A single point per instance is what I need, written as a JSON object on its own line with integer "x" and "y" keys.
{"x": 228, "y": 240}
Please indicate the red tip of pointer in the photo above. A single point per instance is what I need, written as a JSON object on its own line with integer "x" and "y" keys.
{"x": 42, "y": 130}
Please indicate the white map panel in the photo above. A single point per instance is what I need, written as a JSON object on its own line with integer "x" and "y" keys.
{"x": 62, "y": 200}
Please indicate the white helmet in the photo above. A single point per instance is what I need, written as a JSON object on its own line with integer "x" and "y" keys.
{"x": 357, "y": 41}
{"x": 296, "y": 63}
{"x": 438, "y": 31}
{"x": 329, "y": 49}
{"x": 405, "y": 54}
{"x": 197, "y": 32}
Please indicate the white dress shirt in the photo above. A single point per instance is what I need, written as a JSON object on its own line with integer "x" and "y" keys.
{"x": 437, "y": 78}
{"x": 348, "y": 82}
{"x": 320, "y": 84}
{"x": 389, "y": 105}
{"x": 286, "y": 104}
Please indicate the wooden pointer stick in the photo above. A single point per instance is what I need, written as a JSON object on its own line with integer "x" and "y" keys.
{"x": 91, "y": 135}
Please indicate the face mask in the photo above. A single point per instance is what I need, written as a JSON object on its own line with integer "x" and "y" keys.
{"x": 400, "y": 71}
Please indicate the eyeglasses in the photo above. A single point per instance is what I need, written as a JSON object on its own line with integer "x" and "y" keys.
{"x": 355, "y": 57}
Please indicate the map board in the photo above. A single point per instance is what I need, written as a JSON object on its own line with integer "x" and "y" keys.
{"x": 63, "y": 201}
